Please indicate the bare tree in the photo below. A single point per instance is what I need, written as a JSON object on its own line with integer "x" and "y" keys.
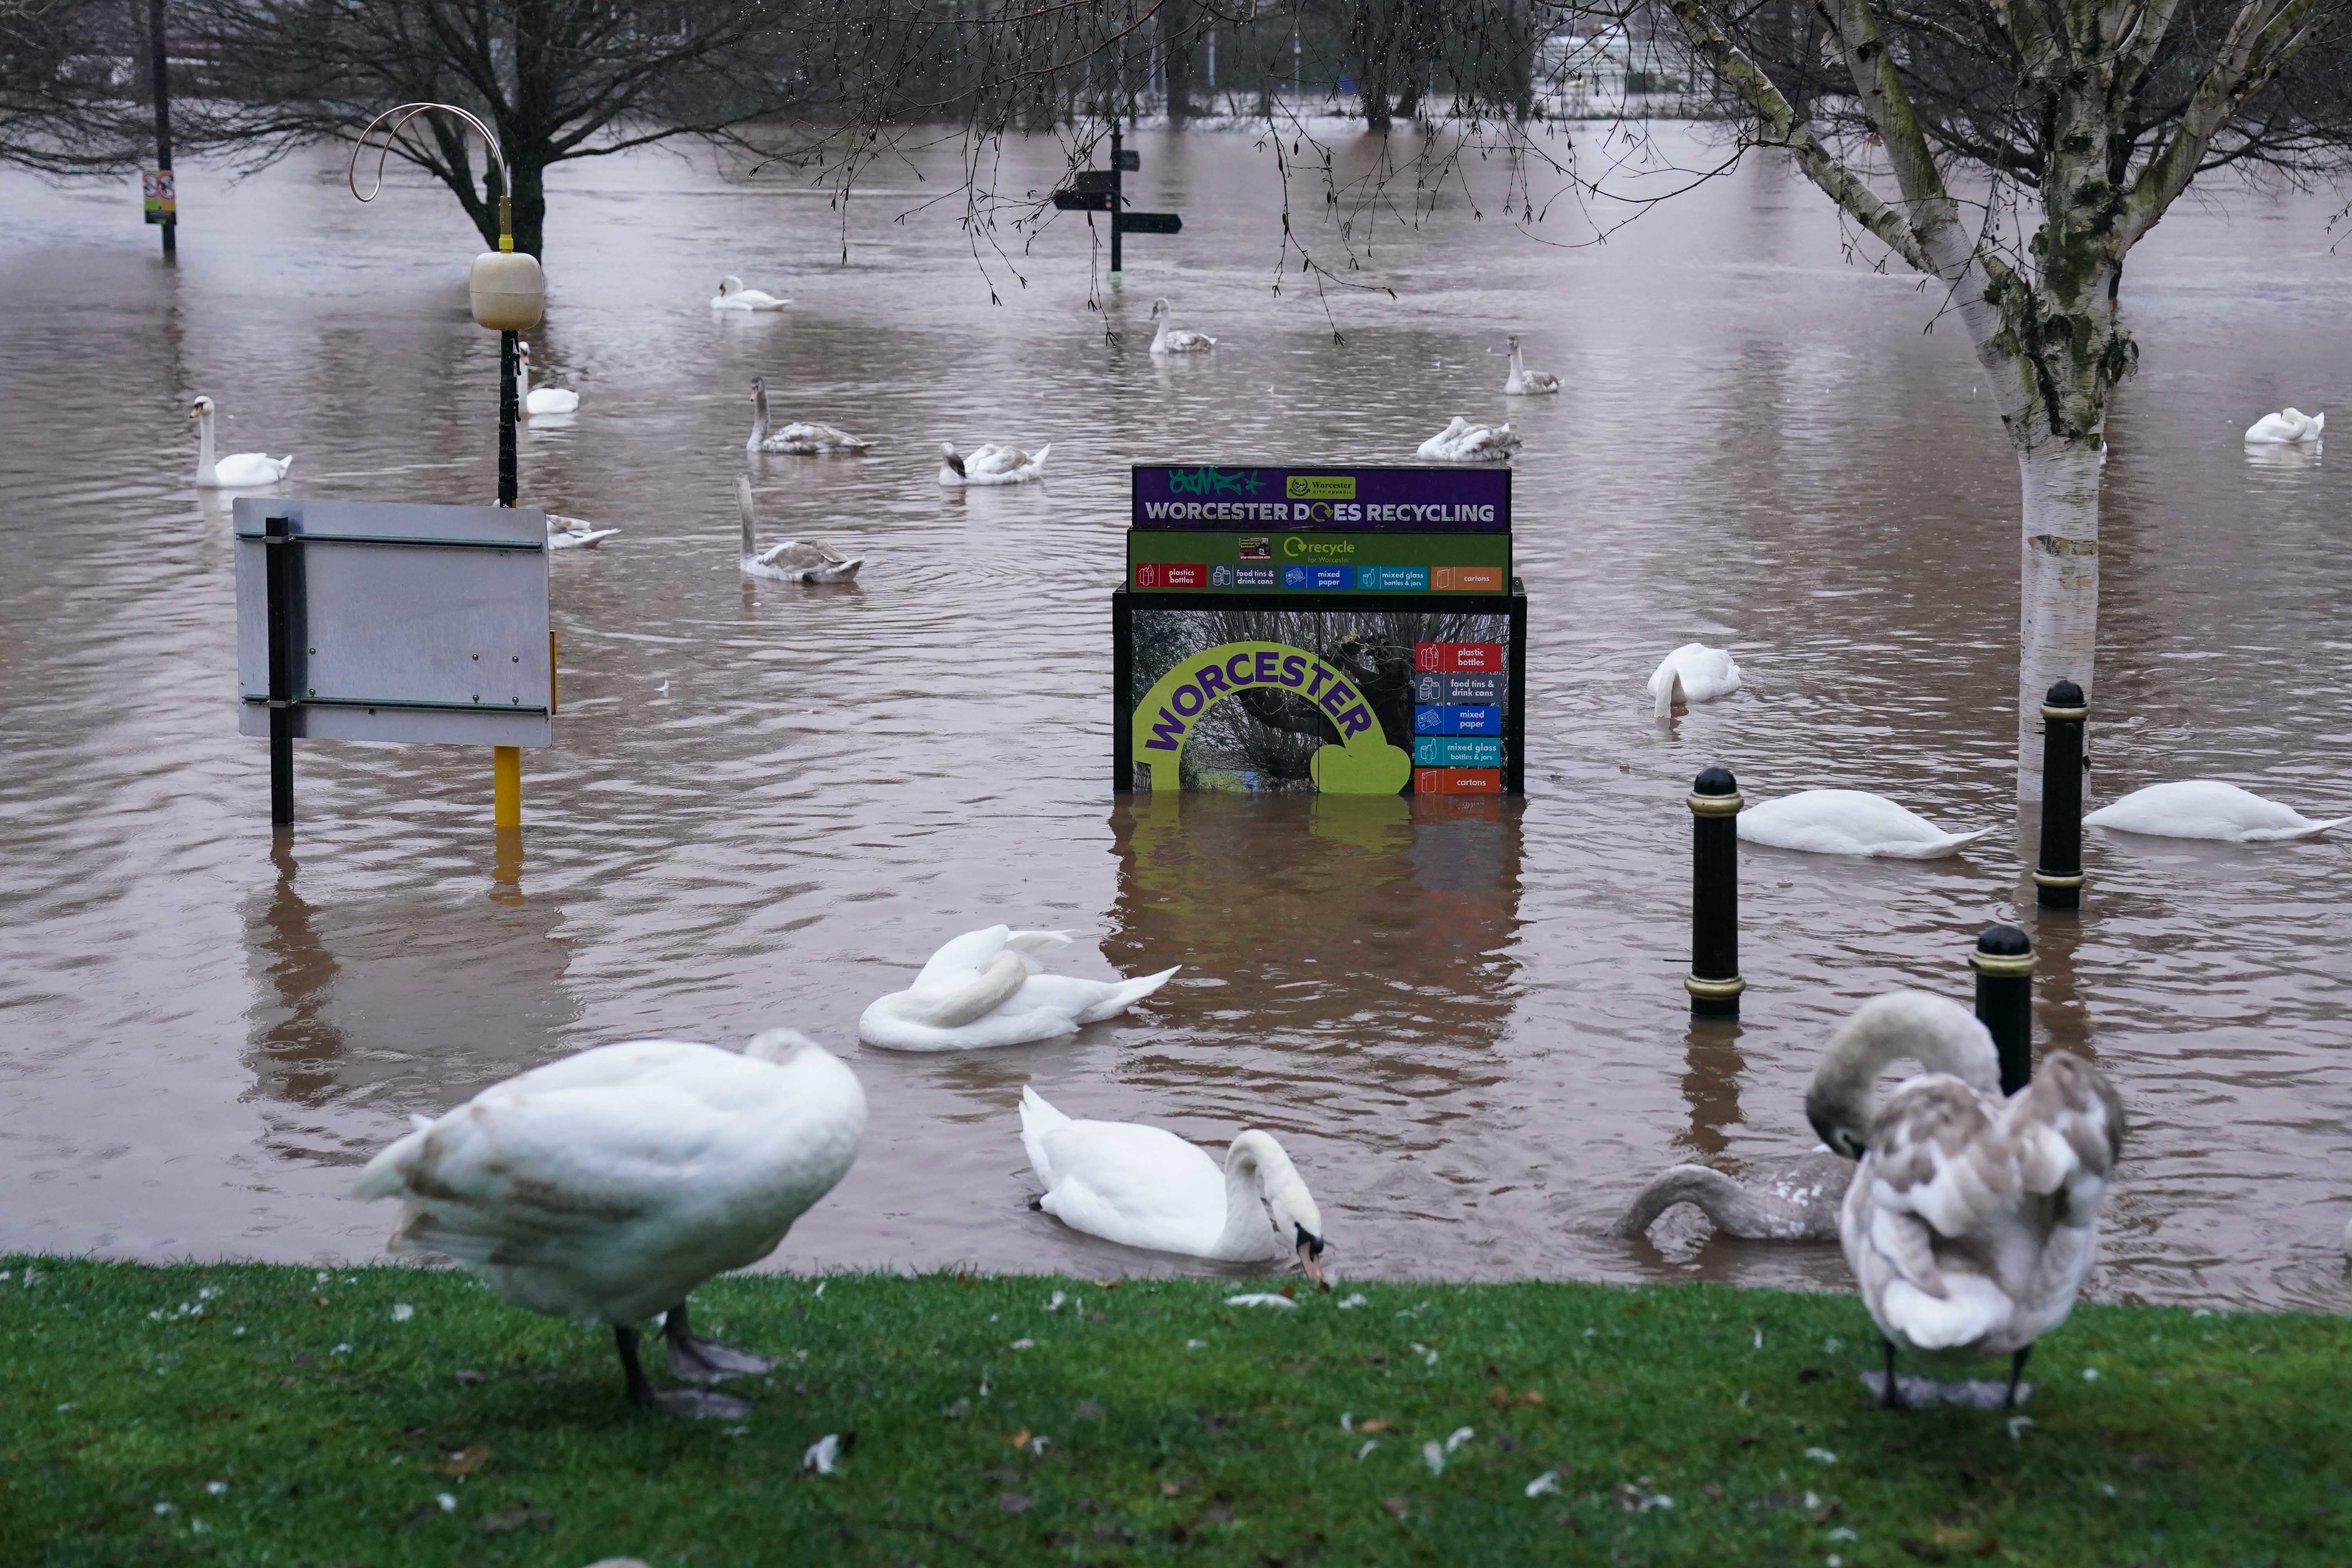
{"x": 72, "y": 87}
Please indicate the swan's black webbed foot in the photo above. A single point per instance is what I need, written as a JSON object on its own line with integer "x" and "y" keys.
{"x": 691, "y": 1403}
{"x": 2016, "y": 1370}
{"x": 1037, "y": 1203}
{"x": 1893, "y": 1398}
{"x": 705, "y": 1361}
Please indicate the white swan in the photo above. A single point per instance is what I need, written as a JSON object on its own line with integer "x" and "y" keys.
{"x": 542, "y": 400}
{"x": 575, "y": 533}
{"x": 1144, "y": 1187}
{"x": 2287, "y": 427}
{"x": 2208, "y": 809}
{"x": 1525, "y": 383}
{"x": 1972, "y": 1219}
{"x": 606, "y": 1186}
{"x": 991, "y": 465}
{"x": 1463, "y": 442}
{"x": 1786, "y": 1197}
{"x": 1849, "y": 822}
{"x": 1172, "y": 340}
{"x": 798, "y": 438}
{"x": 794, "y": 561}
{"x": 733, "y": 296}
{"x": 239, "y": 470}
{"x": 1692, "y": 673}
{"x": 985, "y": 988}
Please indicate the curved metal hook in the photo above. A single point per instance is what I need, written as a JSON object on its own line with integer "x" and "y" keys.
{"x": 408, "y": 112}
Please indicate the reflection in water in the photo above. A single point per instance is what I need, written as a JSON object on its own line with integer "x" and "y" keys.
{"x": 1711, "y": 1086}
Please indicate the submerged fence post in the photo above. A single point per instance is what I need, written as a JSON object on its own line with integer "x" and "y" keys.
{"x": 2004, "y": 964}
{"x": 2058, "y": 878}
{"x": 1713, "y": 982}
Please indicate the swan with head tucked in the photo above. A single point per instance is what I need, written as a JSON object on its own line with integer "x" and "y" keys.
{"x": 1144, "y": 1187}
{"x": 991, "y": 465}
{"x": 239, "y": 470}
{"x": 800, "y": 439}
{"x": 606, "y": 1186}
{"x": 2208, "y": 809}
{"x": 1174, "y": 339}
{"x": 2287, "y": 427}
{"x": 1463, "y": 442}
{"x": 733, "y": 296}
{"x": 544, "y": 399}
{"x": 1785, "y": 1197}
{"x": 1972, "y": 1218}
{"x": 987, "y": 988}
{"x": 575, "y": 533}
{"x": 1849, "y": 822}
{"x": 1692, "y": 673}
{"x": 794, "y": 561}
{"x": 1525, "y": 383}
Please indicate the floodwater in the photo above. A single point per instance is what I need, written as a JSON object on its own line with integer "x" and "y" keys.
{"x": 766, "y": 805}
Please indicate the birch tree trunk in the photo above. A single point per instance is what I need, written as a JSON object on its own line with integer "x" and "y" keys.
{"x": 2058, "y": 626}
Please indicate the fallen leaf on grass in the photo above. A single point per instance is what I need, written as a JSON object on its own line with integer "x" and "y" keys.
{"x": 1088, "y": 1410}
{"x": 1019, "y": 1439}
{"x": 1107, "y": 1284}
{"x": 1370, "y": 1426}
{"x": 1174, "y": 1488}
{"x": 1395, "y": 1505}
{"x": 1926, "y": 1551}
{"x": 468, "y": 1378}
{"x": 1713, "y": 1491}
{"x": 464, "y": 1462}
{"x": 512, "y": 1519}
{"x": 1500, "y": 1397}
{"x": 1013, "y": 1502}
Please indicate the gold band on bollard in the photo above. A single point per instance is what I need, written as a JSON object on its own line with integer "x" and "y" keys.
{"x": 2062, "y": 714}
{"x": 2045, "y": 879}
{"x": 2002, "y": 966}
{"x": 1714, "y": 806}
{"x": 1714, "y": 990}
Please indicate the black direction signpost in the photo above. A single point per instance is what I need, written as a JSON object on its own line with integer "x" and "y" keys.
{"x": 1097, "y": 191}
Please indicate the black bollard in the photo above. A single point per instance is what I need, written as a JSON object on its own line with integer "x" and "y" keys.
{"x": 2058, "y": 879}
{"x": 1713, "y": 982}
{"x": 2004, "y": 964}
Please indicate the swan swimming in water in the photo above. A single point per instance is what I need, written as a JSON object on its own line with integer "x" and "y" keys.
{"x": 2287, "y": 427}
{"x": 987, "y": 988}
{"x": 1787, "y": 1197}
{"x": 991, "y": 465}
{"x": 2208, "y": 809}
{"x": 797, "y": 438}
{"x": 1525, "y": 383}
{"x": 544, "y": 399}
{"x": 1463, "y": 442}
{"x": 606, "y": 1186}
{"x": 794, "y": 561}
{"x": 1144, "y": 1187}
{"x": 1972, "y": 1218}
{"x": 1849, "y": 822}
{"x": 1692, "y": 673}
{"x": 733, "y": 296}
{"x": 1174, "y": 339}
{"x": 239, "y": 470}
{"x": 575, "y": 533}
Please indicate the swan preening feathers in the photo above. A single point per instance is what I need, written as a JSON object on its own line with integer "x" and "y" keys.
{"x": 1172, "y": 340}
{"x": 991, "y": 465}
{"x": 733, "y": 296}
{"x": 1692, "y": 673}
{"x": 606, "y": 1186}
{"x": 2287, "y": 427}
{"x": 1972, "y": 1218}
{"x": 2208, "y": 809}
{"x": 1463, "y": 442}
{"x": 1144, "y": 1187}
{"x": 1849, "y": 822}
{"x": 798, "y": 438}
{"x": 239, "y": 470}
{"x": 794, "y": 560}
{"x": 988, "y": 988}
{"x": 1525, "y": 383}
{"x": 544, "y": 399}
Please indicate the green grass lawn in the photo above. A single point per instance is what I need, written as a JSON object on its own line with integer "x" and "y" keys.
{"x": 250, "y": 1415}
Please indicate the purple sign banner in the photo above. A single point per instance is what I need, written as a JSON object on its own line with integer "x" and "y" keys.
{"x": 1208, "y": 498}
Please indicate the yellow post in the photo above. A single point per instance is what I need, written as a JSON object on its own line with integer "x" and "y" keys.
{"x": 506, "y": 787}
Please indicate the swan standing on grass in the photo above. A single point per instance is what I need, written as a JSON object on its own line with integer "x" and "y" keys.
{"x": 794, "y": 561}
{"x": 1463, "y": 442}
{"x": 2208, "y": 809}
{"x": 542, "y": 400}
{"x": 2287, "y": 427}
{"x": 986, "y": 988}
{"x": 1849, "y": 822}
{"x": 991, "y": 465}
{"x": 1692, "y": 673}
{"x": 797, "y": 438}
{"x": 575, "y": 533}
{"x": 1972, "y": 1219}
{"x": 606, "y": 1186}
{"x": 1172, "y": 340}
{"x": 239, "y": 470}
{"x": 733, "y": 296}
{"x": 1788, "y": 1197}
{"x": 1525, "y": 383}
{"x": 1144, "y": 1187}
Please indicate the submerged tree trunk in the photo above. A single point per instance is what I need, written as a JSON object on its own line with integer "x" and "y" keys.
{"x": 2058, "y": 630}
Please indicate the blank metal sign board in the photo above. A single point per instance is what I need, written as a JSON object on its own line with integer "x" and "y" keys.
{"x": 404, "y": 622}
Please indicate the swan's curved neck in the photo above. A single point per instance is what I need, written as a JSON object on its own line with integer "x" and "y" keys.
{"x": 205, "y": 460}
{"x": 1518, "y": 364}
{"x": 759, "y": 415}
{"x": 1939, "y": 1034}
{"x": 1255, "y": 1165}
{"x": 750, "y": 520}
{"x": 1669, "y": 694}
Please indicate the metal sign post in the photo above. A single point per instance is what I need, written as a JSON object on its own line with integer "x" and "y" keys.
{"x": 1099, "y": 190}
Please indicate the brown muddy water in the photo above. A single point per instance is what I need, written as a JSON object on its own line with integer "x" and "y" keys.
{"x": 767, "y": 804}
